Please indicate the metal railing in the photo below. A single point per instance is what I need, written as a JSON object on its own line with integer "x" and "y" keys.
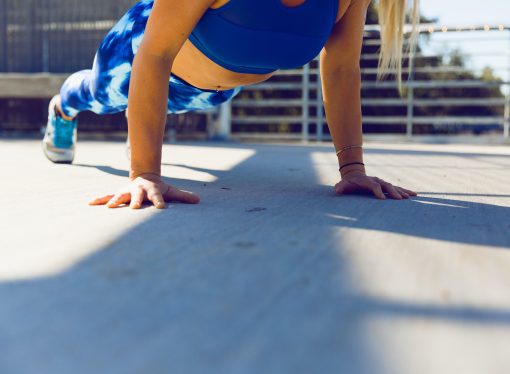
{"x": 302, "y": 96}
{"x": 60, "y": 36}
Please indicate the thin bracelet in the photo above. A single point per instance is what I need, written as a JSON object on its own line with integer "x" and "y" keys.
{"x": 351, "y": 163}
{"x": 346, "y": 148}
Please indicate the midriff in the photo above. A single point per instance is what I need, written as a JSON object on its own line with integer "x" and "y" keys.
{"x": 198, "y": 70}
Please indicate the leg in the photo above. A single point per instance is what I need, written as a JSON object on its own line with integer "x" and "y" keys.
{"x": 104, "y": 88}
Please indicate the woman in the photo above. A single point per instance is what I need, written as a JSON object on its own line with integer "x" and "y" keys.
{"x": 209, "y": 49}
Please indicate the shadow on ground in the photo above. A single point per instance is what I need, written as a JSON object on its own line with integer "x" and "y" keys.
{"x": 246, "y": 282}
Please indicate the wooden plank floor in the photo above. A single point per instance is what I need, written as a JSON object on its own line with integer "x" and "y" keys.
{"x": 270, "y": 273}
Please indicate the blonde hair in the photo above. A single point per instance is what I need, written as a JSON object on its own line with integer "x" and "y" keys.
{"x": 392, "y": 17}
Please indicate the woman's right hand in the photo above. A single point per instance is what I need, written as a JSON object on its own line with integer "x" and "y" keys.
{"x": 146, "y": 187}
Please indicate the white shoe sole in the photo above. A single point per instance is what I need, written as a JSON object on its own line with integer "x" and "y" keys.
{"x": 58, "y": 155}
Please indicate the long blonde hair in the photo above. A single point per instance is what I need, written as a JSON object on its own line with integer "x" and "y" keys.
{"x": 392, "y": 17}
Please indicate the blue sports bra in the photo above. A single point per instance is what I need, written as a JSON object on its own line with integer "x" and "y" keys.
{"x": 261, "y": 36}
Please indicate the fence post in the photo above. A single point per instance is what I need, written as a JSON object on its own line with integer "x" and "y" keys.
{"x": 222, "y": 126}
{"x": 305, "y": 113}
{"x": 506, "y": 121}
{"x": 3, "y": 36}
{"x": 410, "y": 95}
{"x": 320, "y": 115}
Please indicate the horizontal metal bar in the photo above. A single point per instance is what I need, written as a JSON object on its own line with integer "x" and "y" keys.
{"x": 435, "y": 120}
{"x": 65, "y": 26}
{"x": 367, "y": 71}
{"x": 275, "y": 86}
{"x": 383, "y": 120}
{"x": 267, "y": 119}
{"x": 435, "y": 84}
{"x": 375, "y": 56}
{"x": 433, "y": 69}
{"x": 270, "y": 103}
{"x": 369, "y": 29}
{"x": 459, "y": 102}
{"x": 289, "y": 103}
{"x": 485, "y": 39}
{"x": 270, "y": 136}
{"x": 383, "y": 84}
{"x": 435, "y": 102}
{"x": 434, "y": 27}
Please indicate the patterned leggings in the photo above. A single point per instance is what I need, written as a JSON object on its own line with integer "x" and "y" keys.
{"x": 104, "y": 89}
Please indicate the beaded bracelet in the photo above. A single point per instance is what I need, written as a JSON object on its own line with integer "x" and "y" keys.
{"x": 346, "y": 148}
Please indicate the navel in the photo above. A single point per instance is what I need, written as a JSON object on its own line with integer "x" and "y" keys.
{"x": 292, "y": 3}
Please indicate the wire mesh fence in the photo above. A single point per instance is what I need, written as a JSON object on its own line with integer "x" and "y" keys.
{"x": 54, "y": 35}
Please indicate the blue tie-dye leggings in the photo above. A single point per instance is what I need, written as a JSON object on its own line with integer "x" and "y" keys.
{"x": 104, "y": 89}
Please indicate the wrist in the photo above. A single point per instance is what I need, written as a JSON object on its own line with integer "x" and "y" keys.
{"x": 352, "y": 168}
{"x": 350, "y": 155}
{"x": 149, "y": 175}
{"x": 353, "y": 172}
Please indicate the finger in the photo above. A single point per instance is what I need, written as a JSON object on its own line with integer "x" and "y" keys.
{"x": 101, "y": 200}
{"x": 174, "y": 194}
{"x": 155, "y": 196}
{"x": 377, "y": 190}
{"x": 401, "y": 191}
{"x": 344, "y": 187}
{"x": 137, "y": 197}
{"x": 121, "y": 198}
{"x": 340, "y": 188}
{"x": 392, "y": 190}
{"x": 409, "y": 192}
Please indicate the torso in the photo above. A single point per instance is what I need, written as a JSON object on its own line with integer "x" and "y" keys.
{"x": 194, "y": 67}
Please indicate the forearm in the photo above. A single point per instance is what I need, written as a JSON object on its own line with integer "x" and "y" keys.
{"x": 147, "y": 103}
{"x": 342, "y": 102}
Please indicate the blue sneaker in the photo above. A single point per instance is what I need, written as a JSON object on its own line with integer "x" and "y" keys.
{"x": 60, "y": 138}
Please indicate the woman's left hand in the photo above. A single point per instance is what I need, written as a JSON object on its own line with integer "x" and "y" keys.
{"x": 359, "y": 182}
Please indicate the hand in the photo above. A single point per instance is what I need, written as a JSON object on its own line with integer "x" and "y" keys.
{"x": 359, "y": 182}
{"x": 146, "y": 187}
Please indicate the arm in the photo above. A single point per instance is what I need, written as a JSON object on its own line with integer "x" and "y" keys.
{"x": 341, "y": 83}
{"x": 341, "y": 86}
{"x": 169, "y": 25}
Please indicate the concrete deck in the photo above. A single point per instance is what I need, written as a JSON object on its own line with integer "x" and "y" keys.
{"x": 271, "y": 273}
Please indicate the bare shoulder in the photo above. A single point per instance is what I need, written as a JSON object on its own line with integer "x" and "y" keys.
{"x": 345, "y": 4}
{"x": 343, "y": 48}
{"x": 170, "y": 23}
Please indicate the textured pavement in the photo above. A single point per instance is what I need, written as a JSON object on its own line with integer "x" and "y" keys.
{"x": 270, "y": 273}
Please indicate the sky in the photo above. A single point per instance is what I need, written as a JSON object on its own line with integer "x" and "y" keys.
{"x": 484, "y": 48}
{"x": 466, "y": 12}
